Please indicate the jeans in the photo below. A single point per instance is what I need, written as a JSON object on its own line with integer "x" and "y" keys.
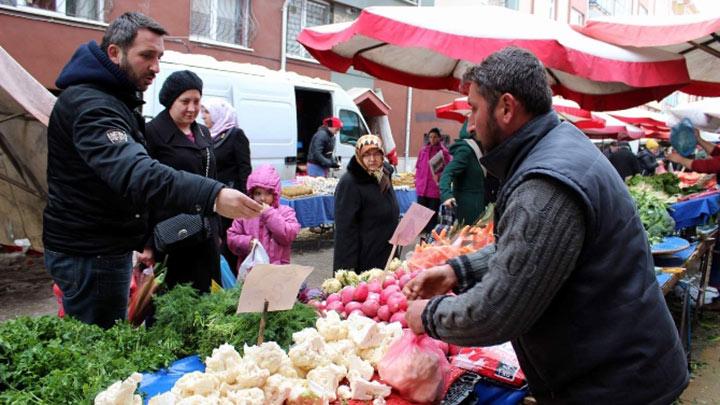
{"x": 316, "y": 170}
{"x": 95, "y": 288}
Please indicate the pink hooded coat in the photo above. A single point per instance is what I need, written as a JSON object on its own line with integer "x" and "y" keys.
{"x": 425, "y": 185}
{"x": 276, "y": 228}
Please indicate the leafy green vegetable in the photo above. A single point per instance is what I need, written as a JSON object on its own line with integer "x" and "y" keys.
{"x": 48, "y": 360}
{"x": 653, "y": 211}
{"x": 667, "y": 183}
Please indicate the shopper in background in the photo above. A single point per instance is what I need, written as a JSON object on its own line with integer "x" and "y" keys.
{"x": 430, "y": 164}
{"x": 648, "y": 158}
{"x": 176, "y": 140}
{"x": 276, "y": 228}
{"x": 462, "y": 184}
{"x": 232, "y": 154}
{"x": 366, "y": 209}
{"x": 322, "y": 146}
{"x": 623, "y": 160}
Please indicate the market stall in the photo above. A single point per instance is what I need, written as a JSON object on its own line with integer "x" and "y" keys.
{"x": 316, "y": 207}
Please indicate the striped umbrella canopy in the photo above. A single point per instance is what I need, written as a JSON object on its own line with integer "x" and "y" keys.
{"x": 431, "y": 48}
{"x": 696, "y": 37}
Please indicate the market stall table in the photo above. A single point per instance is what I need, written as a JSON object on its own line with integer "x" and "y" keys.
{"x": 316, "y": 210}
{"x": 695, "y": 211}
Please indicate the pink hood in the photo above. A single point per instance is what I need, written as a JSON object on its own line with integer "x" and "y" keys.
{"x": 267, "y": 177}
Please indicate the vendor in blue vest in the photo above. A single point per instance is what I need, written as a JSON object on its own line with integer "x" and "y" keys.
{"x": 570, "y": 279}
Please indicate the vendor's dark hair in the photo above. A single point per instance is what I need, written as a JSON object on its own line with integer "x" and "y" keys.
{"x": 436, "y": 130}
{"x": 123, "y": 30}
{"x": 515, "y": 71}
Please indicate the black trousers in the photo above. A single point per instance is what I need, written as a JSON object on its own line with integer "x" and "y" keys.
{"x": 433, "y": 204}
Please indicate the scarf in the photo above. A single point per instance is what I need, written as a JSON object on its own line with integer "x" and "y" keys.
{"x": 222, "y": 115}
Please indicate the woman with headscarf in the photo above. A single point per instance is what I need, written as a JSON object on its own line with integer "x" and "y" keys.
{"x": 232, "y": 154}
{"x": 366, "y": 209}
{"x": 176, "y": 140}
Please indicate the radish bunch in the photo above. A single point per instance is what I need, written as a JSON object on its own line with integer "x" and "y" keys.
{"x": 379, "y": 299}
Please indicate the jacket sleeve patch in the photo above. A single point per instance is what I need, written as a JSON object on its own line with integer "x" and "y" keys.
{"x": 117, "y": 136}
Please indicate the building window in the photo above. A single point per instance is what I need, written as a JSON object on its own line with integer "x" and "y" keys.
{"x": 642, "y": 10}
{"x": 512, "y": 4}
{"x": 551, "y": 10}
{"x": 226, "y": 21}
{"x": 87, "y": 9}
{"x": 576, "y": 17}
{"x": 301, "y": 14}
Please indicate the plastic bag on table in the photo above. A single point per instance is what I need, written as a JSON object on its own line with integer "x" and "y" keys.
{"x": 227, "y": 278}
{"x": 257, "y": 255}
{"x": 498, "y": 363}
{"x": 415, "y": 367}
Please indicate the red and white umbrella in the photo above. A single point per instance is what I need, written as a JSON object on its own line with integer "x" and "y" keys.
{"x": 613, "y": 128}
{"x": 653, "y": 125}
{"x": 459, "y": 109}
{"x": 693, "y": 36}
{"x": 431, "y": 48}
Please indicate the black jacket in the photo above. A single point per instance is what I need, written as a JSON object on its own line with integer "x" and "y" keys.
{"x": 648, "y": 162}
{"x": 365, "y": 219}
{"x": 322, "y": 146}
{"x": 200, "y": 263}
{"x": 607, "y": 330}
{"x": 625, "y": 162}
{"x": 101, "y": 181}
{"x": 232, "y": 151}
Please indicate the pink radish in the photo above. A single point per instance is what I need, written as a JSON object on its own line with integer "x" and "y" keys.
{"x": 399, "y": 317}
{"x": 370, "y": 308}
{"x": 389, "y": 280}
{"x": 383, "y": 313}
{"x": 333, "y": 297}
{"x": 357, "y": 311}
{"x": 399, "y": 272}
{"x": 361, "y": 292}
{"x": 374, "y": 287}
{"x": 404, "y": 280}
{"x": 373, "y": 297}
{"x": 336, "y": 306}
{"x": 387, "y": 292}
{"x": 397, "y": 302}
{"x": 347, "y": 294}
{"x": 352, "y": 306}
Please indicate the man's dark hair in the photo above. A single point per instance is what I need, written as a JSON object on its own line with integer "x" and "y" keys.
{"x": 123, "y": 30}
{"x": 435, "y": 130}
{"x": 515, "y": 71}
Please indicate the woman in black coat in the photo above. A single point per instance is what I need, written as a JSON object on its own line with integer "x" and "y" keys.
{"x": 176, "y": 140}
{"x": 232, "y": 153}
{"x": 366, "y": 209}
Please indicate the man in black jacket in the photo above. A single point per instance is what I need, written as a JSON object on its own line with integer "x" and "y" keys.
{"x": 322, "y": 145}
{"x": 623, "y": 160}
{"x": 101, "y": 181}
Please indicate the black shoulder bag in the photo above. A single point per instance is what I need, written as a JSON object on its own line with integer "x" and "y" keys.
{"x": 183, "y": 230}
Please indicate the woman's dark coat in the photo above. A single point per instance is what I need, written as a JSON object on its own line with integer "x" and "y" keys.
{"x": 166, "y": 143}
{"x": 232, "y": 151}
{"x": 365, "y": 219}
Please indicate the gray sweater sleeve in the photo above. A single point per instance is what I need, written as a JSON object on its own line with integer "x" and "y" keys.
{"x": 503, "y": 293}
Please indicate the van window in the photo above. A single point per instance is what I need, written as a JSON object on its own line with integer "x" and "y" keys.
{"x": 353, "y": 127}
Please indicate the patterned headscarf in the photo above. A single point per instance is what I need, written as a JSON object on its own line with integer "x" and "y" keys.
{"x": 367, "y": 143}
{"x": 222, "y": 114}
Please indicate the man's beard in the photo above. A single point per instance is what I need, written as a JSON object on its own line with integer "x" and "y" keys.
{"x": 134, "y": 78}
{"x": 492, "y": 134}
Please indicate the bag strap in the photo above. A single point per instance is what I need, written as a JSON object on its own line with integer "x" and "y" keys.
{"x": 473, "y": 145}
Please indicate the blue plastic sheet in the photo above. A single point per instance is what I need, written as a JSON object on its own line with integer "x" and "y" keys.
{"x": 316, "y": 210}
{"x": 227, "y": 278}
{"x": 163, "y": 380}
{"x": 490, "y": 394}
{"x": 675, "y": 260}
{"x": 694, "y": 212}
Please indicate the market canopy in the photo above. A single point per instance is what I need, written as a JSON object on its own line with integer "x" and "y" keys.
{"x": 459, "y": 110}
{"x": 25, "y": 107}
{"x": 693, "y": 36}
{"x": 653, "y": 124}
{"x": 704, "y": 114}
{"x": 431, "y": 48}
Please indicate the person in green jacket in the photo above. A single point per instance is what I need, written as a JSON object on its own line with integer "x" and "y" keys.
{"x": 462, "y": 184}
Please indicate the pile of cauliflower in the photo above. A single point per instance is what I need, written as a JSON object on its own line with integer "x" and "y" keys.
{"x": 311, "y": 373}
{"x": 345, "y": 278}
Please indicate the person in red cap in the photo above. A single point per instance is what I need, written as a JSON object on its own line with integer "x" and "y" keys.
{"x": 322, "y": 145}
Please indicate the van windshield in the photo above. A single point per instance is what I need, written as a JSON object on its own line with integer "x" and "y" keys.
{"x": 353, "y": 127}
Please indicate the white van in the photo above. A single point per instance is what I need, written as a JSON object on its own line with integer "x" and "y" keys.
{"x": 279, "y": 111}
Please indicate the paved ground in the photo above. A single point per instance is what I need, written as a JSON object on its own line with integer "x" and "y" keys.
{"x": 25, "y": 289}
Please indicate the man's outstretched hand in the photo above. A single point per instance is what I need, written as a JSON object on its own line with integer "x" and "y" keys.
{"x": 231, "y": 203}
{"x": 428, "y": 283}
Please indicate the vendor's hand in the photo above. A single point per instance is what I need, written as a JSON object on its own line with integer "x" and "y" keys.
{"x": 431, "y": 282}
{"x": 147, "y": 257}
{"x": 677, "y": 158}
{"x": 413, "y": 316}
{"x": 450, "y": 202}
{"x": 231, "y": 203}
{"x": 698, "y": 137}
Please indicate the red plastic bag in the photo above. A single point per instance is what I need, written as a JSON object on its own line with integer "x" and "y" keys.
{"x": 415, "y": 367}
{"x": 498, "y": 363}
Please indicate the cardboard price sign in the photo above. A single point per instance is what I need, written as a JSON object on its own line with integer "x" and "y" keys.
{"x": 278, "y": 285}
{"x": 411, "y": 224}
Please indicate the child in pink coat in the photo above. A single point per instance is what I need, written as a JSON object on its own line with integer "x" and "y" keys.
{"x": 276, "y": 228}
